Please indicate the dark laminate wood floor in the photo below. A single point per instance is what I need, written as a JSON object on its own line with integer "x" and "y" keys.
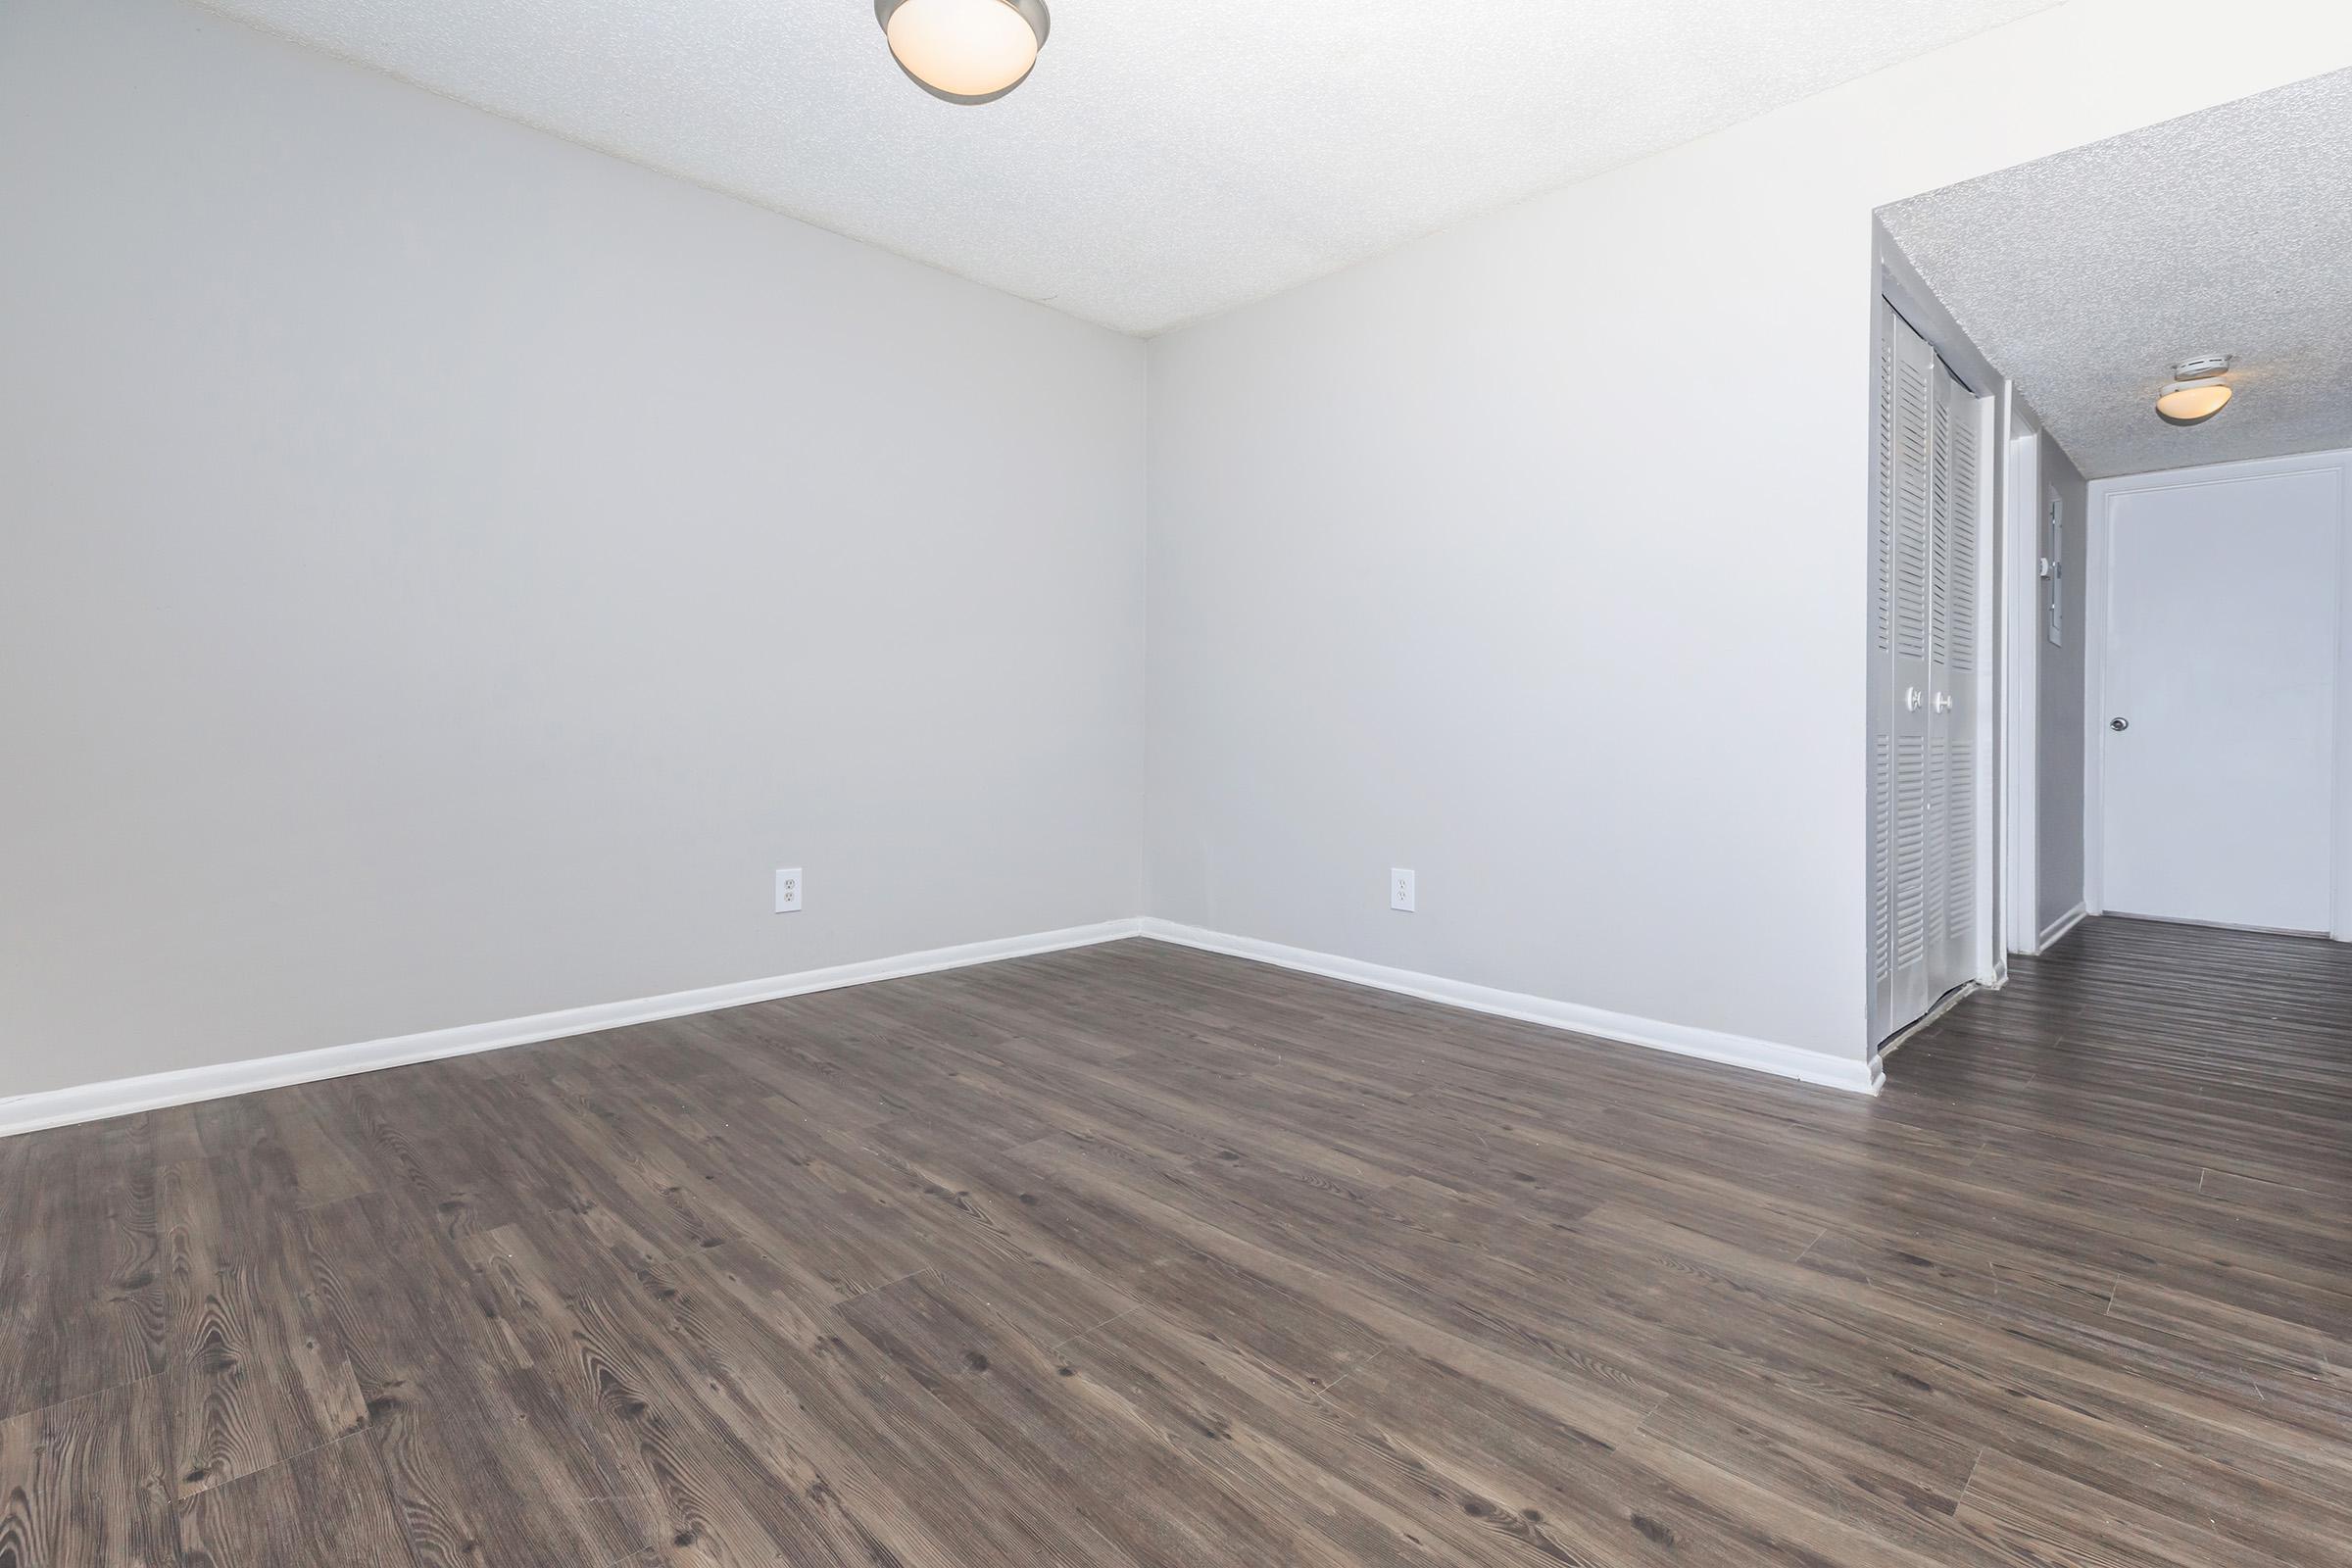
{"x": 1140, "y": 1255}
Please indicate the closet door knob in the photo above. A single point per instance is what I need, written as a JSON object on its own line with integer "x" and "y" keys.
{"x": 2119, "y": 724}
{"x": 1944, "y": 702}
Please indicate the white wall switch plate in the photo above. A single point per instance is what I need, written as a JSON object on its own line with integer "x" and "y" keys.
{"x": 1400, "y": 889}
{"x": 788, "y": 891}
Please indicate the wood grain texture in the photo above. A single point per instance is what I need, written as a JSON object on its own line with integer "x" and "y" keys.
{"x": 1140, "y": 1256}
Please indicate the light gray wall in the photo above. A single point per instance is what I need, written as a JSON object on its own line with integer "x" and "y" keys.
{"x": 448, "y": 571}
{"x": 1533, "y": 556}
{"x": 2058, "y": 704}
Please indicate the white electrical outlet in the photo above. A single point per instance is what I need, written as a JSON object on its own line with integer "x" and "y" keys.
{"x": 1400, "y": 889}
{"x": 788, "y": 891}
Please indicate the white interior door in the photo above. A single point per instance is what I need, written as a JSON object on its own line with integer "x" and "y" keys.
{"x": 1926, "y": 774}
{"x": 2217, "y": 742}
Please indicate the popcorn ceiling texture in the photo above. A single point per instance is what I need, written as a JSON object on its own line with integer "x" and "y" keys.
{"x": 1170, "y": 158}
{"x": 2085, "y": 276}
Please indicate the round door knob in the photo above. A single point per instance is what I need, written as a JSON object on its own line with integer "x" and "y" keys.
{"x": 1944, "y": 702}
{"x": 1911, "y": 698}
{"x": 2119, "y": 724}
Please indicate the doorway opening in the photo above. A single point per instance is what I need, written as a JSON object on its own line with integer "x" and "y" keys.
{"x": 2163, "y": 621}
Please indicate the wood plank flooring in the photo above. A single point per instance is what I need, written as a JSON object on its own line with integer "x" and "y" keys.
{"x": 1140, "y": 1255}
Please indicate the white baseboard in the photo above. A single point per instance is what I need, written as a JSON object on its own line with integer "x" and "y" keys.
{"x": 1738, "y": 1051}
{"x": 2059, "y": 927}
{"x": 57, "y": 1108}
{"x": 120, "y": 1096}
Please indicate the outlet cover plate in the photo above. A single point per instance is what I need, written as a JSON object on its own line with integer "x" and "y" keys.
{"x": 1400, "y": 889}
{"x": 788, "y": 891}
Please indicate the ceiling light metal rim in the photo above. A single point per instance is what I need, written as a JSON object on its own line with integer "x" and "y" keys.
{"x": 1033, "y": 12}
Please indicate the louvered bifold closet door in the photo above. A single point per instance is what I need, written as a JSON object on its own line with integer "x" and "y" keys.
{"x": 1903, "y": 725}
{"x": 1957, "y": 661}
{"x": 1925, "y": 778}
{"x": 1882, "y": 633}
{"x": 1939, "y": 646}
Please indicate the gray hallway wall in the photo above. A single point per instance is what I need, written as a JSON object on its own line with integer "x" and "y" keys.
{"x": 2059, "y": 734}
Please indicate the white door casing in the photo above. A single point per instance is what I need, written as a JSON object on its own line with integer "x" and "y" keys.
{"x": 2022, "y": 550}
{"x": 2221, "y": 656}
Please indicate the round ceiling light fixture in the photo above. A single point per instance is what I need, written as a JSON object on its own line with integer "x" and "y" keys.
{"x": 965, "y": 51}
{"x": 2196, "y": 392}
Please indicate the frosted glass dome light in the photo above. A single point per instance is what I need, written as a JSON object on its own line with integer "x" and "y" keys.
{"x": 965, "y": 51}
{"x": 2193, "y": 402}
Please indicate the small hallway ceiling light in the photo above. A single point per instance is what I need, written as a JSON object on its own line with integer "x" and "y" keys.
{"x": 965, "y": 51}
{"x": 2196, "y": 392}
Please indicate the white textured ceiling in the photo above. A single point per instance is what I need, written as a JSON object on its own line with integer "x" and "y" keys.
{"x": 2085, "y": 276}
{"x": 1169, "y": 158}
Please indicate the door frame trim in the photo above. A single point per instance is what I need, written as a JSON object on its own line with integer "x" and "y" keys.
{"x": 2020, "y": 624}
{"x": 2337, "y": 464}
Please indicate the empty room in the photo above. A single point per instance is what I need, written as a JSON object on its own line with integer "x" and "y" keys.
{"x": 951, "y": 783}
